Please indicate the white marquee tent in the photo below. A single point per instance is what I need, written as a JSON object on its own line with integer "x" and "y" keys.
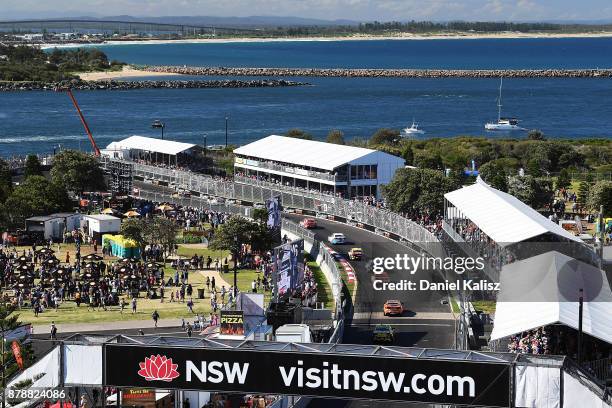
{"x": 503, "y": 217}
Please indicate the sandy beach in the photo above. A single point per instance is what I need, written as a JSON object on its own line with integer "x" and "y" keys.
{"x": 356, "y": 37}
{"x": 127, "y": 72}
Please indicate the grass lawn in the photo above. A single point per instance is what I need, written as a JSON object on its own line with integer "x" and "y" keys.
{"x": 69, "y": 313}
{"x": 245, "y": 278}
{"x": 486, "y": 306}
{"x": 324, "y": 292}
{"x": 189, "y": 251}
{"x": 455, "y": 306}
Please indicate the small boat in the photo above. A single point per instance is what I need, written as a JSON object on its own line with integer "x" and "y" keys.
{"x": 413, "y": 130}
{"x": 503, "y": 124}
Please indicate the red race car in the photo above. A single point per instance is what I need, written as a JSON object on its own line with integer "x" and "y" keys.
{"x": 309, "y": 223}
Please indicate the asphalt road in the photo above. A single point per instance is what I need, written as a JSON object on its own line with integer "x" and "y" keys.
{"x": 426, "y": 322}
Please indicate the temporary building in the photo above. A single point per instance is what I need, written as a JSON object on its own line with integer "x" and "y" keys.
{"x": 545, "y": 290}
{"x": 120, "y": 246}
{"x": 503, "y": 217}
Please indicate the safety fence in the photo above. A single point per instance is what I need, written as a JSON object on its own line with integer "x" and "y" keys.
{"x": 353, "y": 212}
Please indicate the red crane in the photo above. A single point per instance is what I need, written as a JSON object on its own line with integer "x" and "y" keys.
{"x": 83, "y": 121}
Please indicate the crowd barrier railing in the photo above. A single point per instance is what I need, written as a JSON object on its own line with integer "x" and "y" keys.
{"x": 349, "y": 210}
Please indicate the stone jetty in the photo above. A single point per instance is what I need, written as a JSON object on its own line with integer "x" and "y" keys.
{"x": 383, "y": 73}
{"x": 8, "y": 86}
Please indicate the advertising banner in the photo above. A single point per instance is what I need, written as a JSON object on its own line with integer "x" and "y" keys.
{"x": 273, "y": 205}
{"x": 288, "y": 268}
{"x": 311, "y": 374}
{"x": 232, "y": 323}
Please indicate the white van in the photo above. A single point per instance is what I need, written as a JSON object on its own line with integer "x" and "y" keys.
{"x": 294, "y": 333}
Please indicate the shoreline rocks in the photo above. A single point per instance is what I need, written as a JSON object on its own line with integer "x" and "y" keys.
{"x": 383, "y": 73}
{"x": 115, "y": 85}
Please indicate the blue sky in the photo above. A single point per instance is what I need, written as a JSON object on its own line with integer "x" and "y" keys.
{"x": 325, "y": 9}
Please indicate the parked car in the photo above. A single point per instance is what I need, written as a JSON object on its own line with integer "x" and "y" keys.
{"x": 393, "y": 307}
{"x": 355, "y": 254}
{"x": 383, "y": 333}
{"x": 308, "y": 223}
{"x": 336, "y": 238}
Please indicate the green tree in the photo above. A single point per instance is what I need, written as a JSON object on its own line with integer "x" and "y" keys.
{"x": 413, "y": 191}
{"x": 533, "y": 168}
{"x": 6, "y": 186}
{"x": 536, "y": 134}
{"x": 535, "y": 192}
{"x": 601, "y": 194}
{"x": 165, "y": 230}
{"x": 572, "y": 159}
{"x": 385, "y": 136}
{"x": 260, "y": 215}
{"x": 35, "y": 196}
{"x": 32, "y": 166}
{"x": 77, "y": 172}
{"x": 563, "y": 179}
{"x": 495, "y": 175}
{"x": 408, "y": 154}
{"x": 298, "y": 134}
{"x": 583, "y": 193}
{"x": 135, "y": 229}
{"x": 335, "y": 136}
{"x": 238, "y": 230}
{"x": 428, "y": 160}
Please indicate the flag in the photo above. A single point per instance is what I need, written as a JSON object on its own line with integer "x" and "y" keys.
{"x": 17, "y": 353}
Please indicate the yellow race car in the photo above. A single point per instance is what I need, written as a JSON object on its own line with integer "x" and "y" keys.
{"x": 355, "y": 254}
{"x": 383, "y": 333}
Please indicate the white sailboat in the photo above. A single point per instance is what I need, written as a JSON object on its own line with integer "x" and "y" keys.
{"x": 413, "y": 130}
{"x": 502, "y": 124}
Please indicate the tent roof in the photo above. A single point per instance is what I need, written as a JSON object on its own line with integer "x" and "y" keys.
{"x": 544, "y": 290}
{"x": 503, "y": 217}
{"x": 311, "y": 153}
{"x": 150, "y": 144}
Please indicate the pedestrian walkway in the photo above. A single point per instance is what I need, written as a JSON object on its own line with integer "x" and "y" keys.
{"x": 219, "y": 279}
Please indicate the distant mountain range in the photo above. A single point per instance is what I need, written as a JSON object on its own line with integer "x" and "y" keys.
{"x": 269, "y": 21}
{"x": 252, "y": 21}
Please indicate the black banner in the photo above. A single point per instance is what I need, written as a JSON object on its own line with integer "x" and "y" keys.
{"x": 232, "y": 323}
{"x": 310, "y": 374}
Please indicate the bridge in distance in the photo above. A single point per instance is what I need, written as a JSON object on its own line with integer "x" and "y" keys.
{"x": 112, "y": 26}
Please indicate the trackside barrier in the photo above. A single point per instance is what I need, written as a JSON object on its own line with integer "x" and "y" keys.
{"x": 354, "y": 212}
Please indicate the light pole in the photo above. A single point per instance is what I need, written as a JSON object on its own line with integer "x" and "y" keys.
{"x": 3, "y": 372}
{"x": 205, "y": 143}
{"x": 158, "y": 124}
{"x": 580, "y": 308}
{"x": 226, "y": 119}
{"x": 236, "y": 250}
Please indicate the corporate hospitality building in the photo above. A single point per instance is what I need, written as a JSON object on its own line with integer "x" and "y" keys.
{"x": 317, "y": 166}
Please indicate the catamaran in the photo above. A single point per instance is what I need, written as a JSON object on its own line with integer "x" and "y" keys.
{"x": 503, "y": 124}
{"x": 412, "y": 130}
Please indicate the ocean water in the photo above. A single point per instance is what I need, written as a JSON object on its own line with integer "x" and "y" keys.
{"x": 438, "y": 53}
{"x": 576, "y": 108}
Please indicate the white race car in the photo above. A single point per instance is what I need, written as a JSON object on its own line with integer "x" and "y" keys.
{"x": 337, "y": 238}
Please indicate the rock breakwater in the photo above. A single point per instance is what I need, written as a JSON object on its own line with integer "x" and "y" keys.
{"x": 127, "y": 85}
{"x": 385, "y": 73}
